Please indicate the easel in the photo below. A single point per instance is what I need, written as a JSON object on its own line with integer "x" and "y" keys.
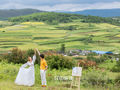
{"x": 76, "y": 80}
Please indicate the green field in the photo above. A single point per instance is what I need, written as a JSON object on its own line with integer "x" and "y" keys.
{"x": 43, "y": 36}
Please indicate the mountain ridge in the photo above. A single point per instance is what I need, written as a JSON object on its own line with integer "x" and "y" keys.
{"x": 7, "y": 13}
{"x": 99, "y": 12}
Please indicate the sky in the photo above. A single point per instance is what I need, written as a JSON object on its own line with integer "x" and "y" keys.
{"x": 60, "y": 5}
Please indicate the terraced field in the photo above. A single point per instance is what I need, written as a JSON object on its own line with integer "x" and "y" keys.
{"x": 27, "y": 35}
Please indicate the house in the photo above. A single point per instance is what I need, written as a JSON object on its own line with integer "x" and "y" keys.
{"x": 79, "y": 52}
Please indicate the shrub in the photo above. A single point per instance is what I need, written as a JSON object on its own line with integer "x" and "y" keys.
{"x": 30, "y": 52}
{"x": 108, "y": 64}
{"x": 117, "y": 79}
{"x": 116, "y": 68}
{"x": 3, "y": 60}
{"x": 94, "y": 77}
{"x": 97, "y": 59}
{"x": 59, "y": 62}
{"x": 18, "y": 56}
{"x": 87, "y": 63}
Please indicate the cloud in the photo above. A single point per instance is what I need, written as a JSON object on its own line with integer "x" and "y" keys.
{"x": 63, "y": 7}
{"x": 54, "y": 2}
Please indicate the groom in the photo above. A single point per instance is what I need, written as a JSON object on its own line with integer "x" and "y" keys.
{"x": 43, "y": 68}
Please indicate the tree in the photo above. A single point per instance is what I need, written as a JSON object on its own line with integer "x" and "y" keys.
{"x": 88, "y": 39}
{"x": 62, "y": 48}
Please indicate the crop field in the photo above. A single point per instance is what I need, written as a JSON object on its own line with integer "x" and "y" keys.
{"x": 43, "y": 36}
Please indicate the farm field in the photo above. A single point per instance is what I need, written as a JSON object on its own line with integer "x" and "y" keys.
{"x": 26, "y": 35}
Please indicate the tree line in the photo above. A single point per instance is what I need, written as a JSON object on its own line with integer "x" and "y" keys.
{"x": 55, "y": 18}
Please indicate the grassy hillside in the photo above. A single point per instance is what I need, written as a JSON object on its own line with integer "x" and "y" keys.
{"x": 88, "y": 36}
{"x": 5, "y": 14}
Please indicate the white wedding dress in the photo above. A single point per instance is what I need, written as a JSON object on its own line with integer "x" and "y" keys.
{"x": 26, "y": 76}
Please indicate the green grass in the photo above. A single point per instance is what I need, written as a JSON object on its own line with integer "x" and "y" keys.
{"x": 8, "y": 73}
{"x": 11, "y": 86}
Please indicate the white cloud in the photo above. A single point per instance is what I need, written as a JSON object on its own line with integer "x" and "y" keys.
{"x": 63, "y": 7}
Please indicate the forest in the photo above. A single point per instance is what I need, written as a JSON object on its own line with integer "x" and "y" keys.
{"x": 55, "y": 18}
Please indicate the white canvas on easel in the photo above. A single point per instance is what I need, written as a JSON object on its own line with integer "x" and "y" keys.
{"x": 77, "y": 71}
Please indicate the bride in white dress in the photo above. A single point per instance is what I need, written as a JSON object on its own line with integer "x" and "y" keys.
{"x": 26, "y": 76}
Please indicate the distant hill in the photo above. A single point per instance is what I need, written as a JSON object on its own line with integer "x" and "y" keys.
{"x": 5, "y": 14}
{"x": 99, "y": 12}
{"x": 56, "y": 18}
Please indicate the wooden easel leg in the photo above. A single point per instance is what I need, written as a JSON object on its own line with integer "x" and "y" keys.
{"x": 71, "y": 83}
{"x": 79, "y": 84}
